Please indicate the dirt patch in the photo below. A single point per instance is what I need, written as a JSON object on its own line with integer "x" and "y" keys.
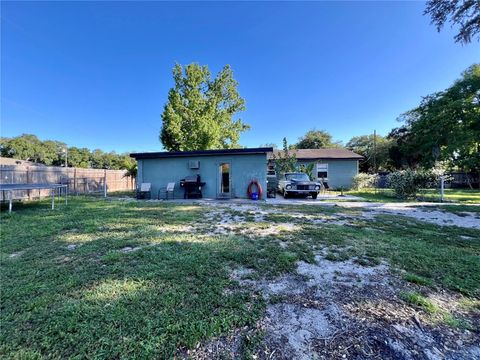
{"x": 224, "y": 347}
{"x": 15, "y": 255}
{"x": 129, "y": 249}
{"x": 247, "y": 220}
{"x": 343, "y": 310}
{"x": 347, "y": 273}
{"x": 292, "y": 329}
{"x": 258, "y": 213}
{"x": 418, "y": 212}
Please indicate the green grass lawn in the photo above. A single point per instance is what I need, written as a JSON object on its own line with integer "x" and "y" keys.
{"x": 126, "y": 279}
{"x": 466, "y": 196}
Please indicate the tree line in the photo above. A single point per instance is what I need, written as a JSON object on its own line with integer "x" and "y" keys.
{"x": 443, "y": 130}
{"x": 56, "y": 153}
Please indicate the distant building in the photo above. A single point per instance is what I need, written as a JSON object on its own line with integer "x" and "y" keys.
{"x": 11, "y": 161}
{"x": 335, "y": 166}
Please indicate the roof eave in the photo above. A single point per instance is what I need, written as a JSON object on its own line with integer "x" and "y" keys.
{"x": 160, "y": 155}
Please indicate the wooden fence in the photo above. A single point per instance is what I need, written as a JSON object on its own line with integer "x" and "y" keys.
{"x": 79, "y": 181}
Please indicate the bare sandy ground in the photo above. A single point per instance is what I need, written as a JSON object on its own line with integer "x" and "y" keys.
{"x": 418, "y": 211}
{"x": 341, "y": 309}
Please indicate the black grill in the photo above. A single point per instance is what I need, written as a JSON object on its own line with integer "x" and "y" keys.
{"x": 305, "y": 187}
{"x": 192, "y": 186}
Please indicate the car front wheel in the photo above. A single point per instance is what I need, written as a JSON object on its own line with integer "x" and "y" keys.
{"x": 285, "y": 194}
{"x": 314, "y": 195}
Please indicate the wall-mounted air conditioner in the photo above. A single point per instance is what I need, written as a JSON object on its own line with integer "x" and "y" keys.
{"x": 194, "y": 164}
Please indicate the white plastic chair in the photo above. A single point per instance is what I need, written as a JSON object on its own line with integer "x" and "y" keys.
{"x": 163, "y": 192}
{"x": 171, "y": 189}
{"x": 145, "y": 189}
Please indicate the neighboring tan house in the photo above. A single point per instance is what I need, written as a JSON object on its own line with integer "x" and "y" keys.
{"x": 336, "y": 167}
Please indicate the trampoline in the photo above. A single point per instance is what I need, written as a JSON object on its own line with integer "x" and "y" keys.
{"x": 10, "y": 188}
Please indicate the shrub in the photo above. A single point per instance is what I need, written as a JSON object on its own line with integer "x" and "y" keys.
{"x": 364, "y": 181}
{"x": 407, "y": 183}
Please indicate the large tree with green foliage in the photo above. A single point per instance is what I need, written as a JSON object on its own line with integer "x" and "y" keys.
{"x": 316, "y": 139}
{"x": 79, "y": 157}
{"x": 445, "y": 126}
{"x": 199, "y": 111}
{"x": 52, "y": 152}
{"x": 462, "y": 13}
{"x": 376, "y": 156}
{"x": 403, "y": 152}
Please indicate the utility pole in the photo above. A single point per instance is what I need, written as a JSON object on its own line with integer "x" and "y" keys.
{"x": 66, "y": 156}
{"x": 375, "y": 151}
{"x": 375, "y": 158}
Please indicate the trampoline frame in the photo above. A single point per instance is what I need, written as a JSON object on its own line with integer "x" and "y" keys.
{"x": 10, "y": 188}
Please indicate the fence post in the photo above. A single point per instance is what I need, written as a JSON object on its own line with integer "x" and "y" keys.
{"x": 75, "y": 180}
{"x": 28, "y": 182}
{"x": 442, "y": 187}
{"x": 105, "y": 184}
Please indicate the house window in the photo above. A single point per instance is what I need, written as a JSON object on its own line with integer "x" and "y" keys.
{"x": 271, "y": 169}
{"x": 322, "y": 171}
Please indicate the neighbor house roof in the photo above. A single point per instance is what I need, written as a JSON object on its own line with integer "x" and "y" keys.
{"x": 313, "y": 154}
{"x": 156, "y": 155}
{"x": 11, "y": 161}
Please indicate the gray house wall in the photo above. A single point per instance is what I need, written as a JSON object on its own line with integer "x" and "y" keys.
{"x": 340, "y": 172}
{"x": 244, "y": 168}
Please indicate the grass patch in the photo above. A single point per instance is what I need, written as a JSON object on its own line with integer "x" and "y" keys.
{"x": 436, "y": 255}
{"x": 458, "y": 209}
{"x": 438, "y": 315}
{"x": 419, "y": 280}
{"x": 457, "y": 322}
{"x": 70, "y": 289}
{"x": 97, "y": 301}
{"x": 466, "y": 196}
{"x": 421, "y": 301}
{"x": 250, "y": 343}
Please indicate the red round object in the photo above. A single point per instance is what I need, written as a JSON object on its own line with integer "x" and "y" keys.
{"x": 259, "y": 188}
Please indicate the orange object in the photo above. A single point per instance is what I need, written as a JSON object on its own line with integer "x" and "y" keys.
{"x": 259, "y": 188}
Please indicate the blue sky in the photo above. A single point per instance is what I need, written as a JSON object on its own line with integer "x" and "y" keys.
{"x": 97, "y": 74}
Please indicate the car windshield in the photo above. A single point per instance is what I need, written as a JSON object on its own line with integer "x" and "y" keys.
{"x": 298, "y": 177}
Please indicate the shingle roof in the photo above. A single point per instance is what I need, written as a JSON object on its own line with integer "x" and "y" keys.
{"x": 311, "y": 154}
{"x": 154, "y": 155}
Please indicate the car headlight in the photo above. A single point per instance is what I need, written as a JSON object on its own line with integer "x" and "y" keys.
{"x": 288, "y": 186}
{"x": 317, "y": 187}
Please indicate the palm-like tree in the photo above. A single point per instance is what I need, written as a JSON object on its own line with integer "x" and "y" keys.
{"x": 132, "y": 173}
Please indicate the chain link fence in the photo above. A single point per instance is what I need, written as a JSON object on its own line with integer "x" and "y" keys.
{"x": 78, "y": 180}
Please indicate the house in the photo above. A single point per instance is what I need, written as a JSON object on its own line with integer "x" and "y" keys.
{"x": 225, "y": 173}
{"x": 336, "y": 167}
{"x": 10, "y": 161}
